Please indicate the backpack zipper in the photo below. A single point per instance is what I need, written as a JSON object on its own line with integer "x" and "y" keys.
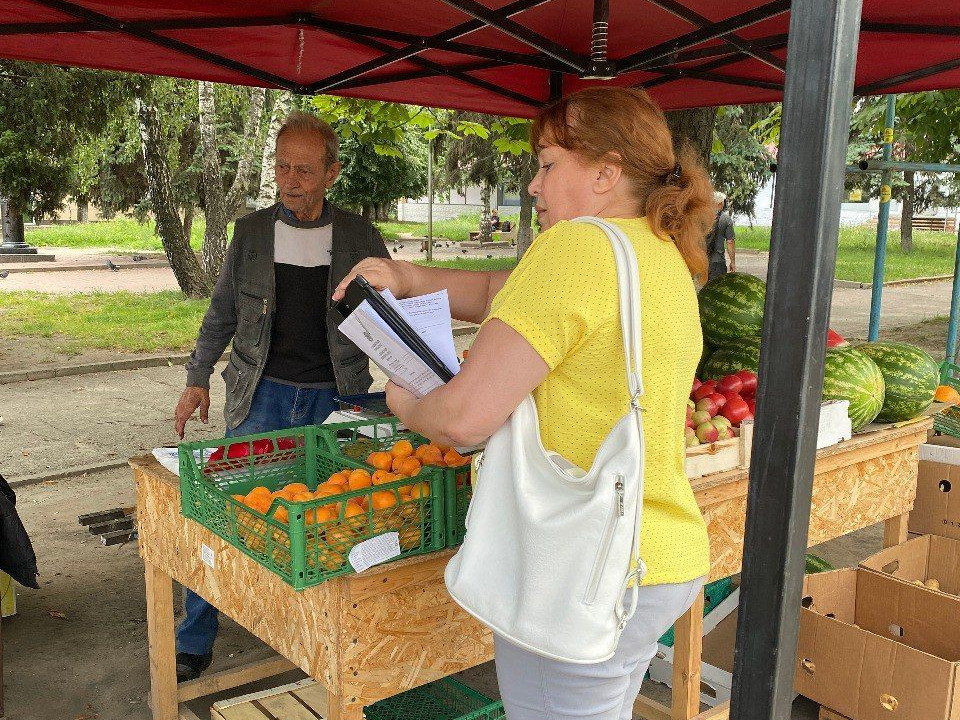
{"x": 603, "y": 551}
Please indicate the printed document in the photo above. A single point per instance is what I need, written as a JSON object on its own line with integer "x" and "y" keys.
{"x": 429, "y": 316}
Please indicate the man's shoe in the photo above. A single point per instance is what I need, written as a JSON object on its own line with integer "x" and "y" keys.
{"x": 190, "y": 666}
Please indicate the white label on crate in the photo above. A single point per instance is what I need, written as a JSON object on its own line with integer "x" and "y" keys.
{"x": 374, "y": 551}
{"x": 207, "y": 555}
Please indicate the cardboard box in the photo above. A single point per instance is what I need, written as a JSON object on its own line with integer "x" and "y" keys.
{"x": 936, "y": 509}
{"x": 873, "y": 647}
{"x": 923, "y": 558}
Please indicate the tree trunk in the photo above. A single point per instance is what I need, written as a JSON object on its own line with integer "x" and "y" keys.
{"x": 268, "y": 179}
{"x": 524, "y": 230}
{"x": 485, "y": 214}
{"x": 236, "y": 201}
{"x": 694, "y": 127}
{"x": 83, "y": 209}
{"x": 214, "y": 199}
{"x": 369, "y": 212}
{"x": 11, "y": 215}
{"x": 906, "y": 214}
{"x": 186, "y": 267}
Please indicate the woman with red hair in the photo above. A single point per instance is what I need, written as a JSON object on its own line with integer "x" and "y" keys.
{"x": 551, "y": 327}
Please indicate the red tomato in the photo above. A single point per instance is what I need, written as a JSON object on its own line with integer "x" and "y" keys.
{"x": 286, "y": 443}
{"x": 217, "y": 454}
{"x": 696, "y": 384}
{"x": 730, "y": 384}
{"x": 705, "y": 389}
{"x": 262, "y": 446}
{"x": 238, "y": 450}
{"x": 735, "y": 410}
{"x": 749, "y": 381}
{"x": 719, "y": 399}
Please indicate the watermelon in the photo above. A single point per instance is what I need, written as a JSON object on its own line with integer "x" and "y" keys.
{"x": 911, "y": 377}
{"x": 848, "y": 374}
{"x": 744, "y": 354}
{"x": 731, "y": 307}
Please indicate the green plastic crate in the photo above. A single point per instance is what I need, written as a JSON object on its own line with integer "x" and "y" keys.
{"x": 301, "y": 551}
{"x": 713, "y": 594}
{"x": 445, "y": 699}
{"x": 349, "y": 440}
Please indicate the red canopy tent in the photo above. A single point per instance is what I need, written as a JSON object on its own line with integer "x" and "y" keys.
{"x": 495, "y": 57}
{"x": 510, "y": 58}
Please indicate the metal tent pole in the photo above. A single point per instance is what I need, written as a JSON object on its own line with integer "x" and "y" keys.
{"x": 430, "y": 201}
{"x": 821, "y": 58}
{"x": 954, "y": 311}
{"x": 883, "y": 223}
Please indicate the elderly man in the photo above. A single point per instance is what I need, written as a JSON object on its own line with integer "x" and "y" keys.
{"x": 272, "y": 299}
{"x": 721, "y": 236}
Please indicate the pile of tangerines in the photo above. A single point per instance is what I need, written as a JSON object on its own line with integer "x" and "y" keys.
{"x": 360, "y": 516}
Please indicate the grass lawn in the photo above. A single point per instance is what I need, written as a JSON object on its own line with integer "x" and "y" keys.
{"x": 125, "y": 321}
{"x": 933, "y": 252}
{"x": 457, "y": 229}
{"x": 117, "y": 234}
{"x": 497, "y": 263}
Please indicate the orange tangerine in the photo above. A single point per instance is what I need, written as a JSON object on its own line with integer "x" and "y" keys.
{"x": 433, "y": 456}
{"x": 418, "y": 454}
{"x": 325, "y": 515}
{"x": 383, "y": 499}
{"x": 281, "y": 514}
{"x": 402, "y": 448}
{"x": 454, "y": 459}
{"x": 239, "y": 498}
{"x": 258, "y": 492}
{"x": 444, "y": 448}
{"x": 420, "y": 490}
{"x": 297, "y": 487}
{"x": 380, "y": 460}
{"x": 382, "y": 477}
{"x": 359, "y": 479}
{"x": 408, "y": 465}
{"x": 947, "y": 394}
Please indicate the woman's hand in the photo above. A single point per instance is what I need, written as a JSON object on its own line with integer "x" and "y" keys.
{"x": 399, "y": 400}
{"x": 380, "y": 273}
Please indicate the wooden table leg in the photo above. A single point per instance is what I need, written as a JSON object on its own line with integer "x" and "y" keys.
{"x": 337, "y": 709}
{"x": 687, "y": 649}
{"x": 160, "y": 633}
{"x": 895, "y": 530}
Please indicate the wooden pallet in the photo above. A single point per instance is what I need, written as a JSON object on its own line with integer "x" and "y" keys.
{"x": 303, "y": 700}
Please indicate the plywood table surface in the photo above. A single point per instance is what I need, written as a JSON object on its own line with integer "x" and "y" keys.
{"x": 365, "y": 637}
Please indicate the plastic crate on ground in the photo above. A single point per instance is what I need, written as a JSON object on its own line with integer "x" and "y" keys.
{"x": 445, "y": 699}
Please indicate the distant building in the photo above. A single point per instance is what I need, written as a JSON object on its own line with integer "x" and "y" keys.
{"x": 471, "y": 201}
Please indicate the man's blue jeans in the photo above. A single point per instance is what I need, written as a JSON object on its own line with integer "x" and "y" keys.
{"x": 275, "y": 406}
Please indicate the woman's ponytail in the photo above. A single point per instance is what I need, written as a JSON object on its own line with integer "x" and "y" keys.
{"x": 681, "y": 208}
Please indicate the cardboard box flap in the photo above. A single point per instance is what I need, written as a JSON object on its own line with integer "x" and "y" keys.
{"x": 923, "y": 558}
{"x": 908, "y": 614}
{"x": 936, "y": 509}
{"x": 832, "y": 594}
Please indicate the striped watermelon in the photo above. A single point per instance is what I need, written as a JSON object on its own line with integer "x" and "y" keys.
{"x": 850, "y": 375}
{"x": 911, "y": 377}
{"x": 731, "y": 307}
{"x": 744, "y": 354}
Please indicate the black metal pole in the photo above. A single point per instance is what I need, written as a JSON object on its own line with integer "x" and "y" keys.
{"x": 821, "y": 58}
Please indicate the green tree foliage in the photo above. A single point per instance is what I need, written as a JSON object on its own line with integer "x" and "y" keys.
{"x": 45, "y": 112}
{"x": 740, "y": 163}
{"x": 371, "y": 182}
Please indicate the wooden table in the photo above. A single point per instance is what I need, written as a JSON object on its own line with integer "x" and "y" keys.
{"x": 857, "y": 483}
{"x": 366, "y": 637}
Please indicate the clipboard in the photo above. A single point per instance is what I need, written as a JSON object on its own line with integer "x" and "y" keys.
{"x": 359, "y": 290}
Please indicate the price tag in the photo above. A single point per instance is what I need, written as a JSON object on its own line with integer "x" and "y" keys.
{"x": 207, "y": 555}
{"x": 374, "y": 551}
{"x": 888, "y": 135}
{"x": 885, "y": 194}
